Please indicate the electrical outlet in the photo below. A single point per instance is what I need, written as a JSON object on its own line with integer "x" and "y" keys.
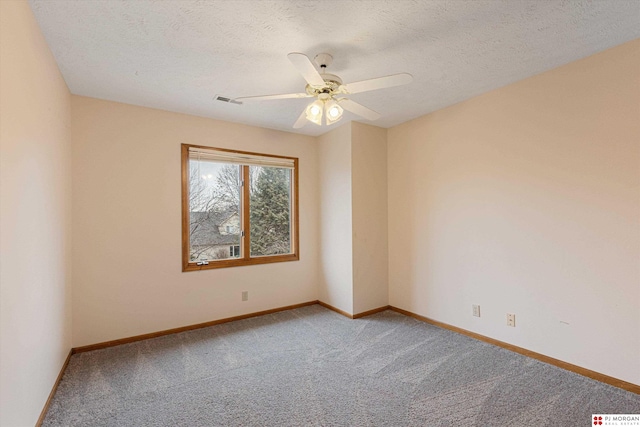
{"x": 511, "y": 320}
{"x": 476, "y": 310}
{"x": 245, "y": 295}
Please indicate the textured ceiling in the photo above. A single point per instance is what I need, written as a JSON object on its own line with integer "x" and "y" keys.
{"x": 177, "y": 55}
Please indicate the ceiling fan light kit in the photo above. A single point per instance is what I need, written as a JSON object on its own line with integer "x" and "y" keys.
{"x": 334, "y": 111}
{"x": 313, "y": 112}
{"x": 325, "y": 87}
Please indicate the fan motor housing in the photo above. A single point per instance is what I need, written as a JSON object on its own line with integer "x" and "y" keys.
{"x": 332, "y": 85}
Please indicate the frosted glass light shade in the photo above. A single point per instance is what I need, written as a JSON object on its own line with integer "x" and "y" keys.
{"x": 333, "y": 111}
{"x": 314, "y": 112}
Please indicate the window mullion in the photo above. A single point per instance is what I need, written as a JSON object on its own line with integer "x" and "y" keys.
{"x": 246, "y": 238}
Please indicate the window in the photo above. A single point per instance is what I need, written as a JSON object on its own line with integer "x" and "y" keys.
{"x": 234, "y": 251}
{"x": 238, "y": 208}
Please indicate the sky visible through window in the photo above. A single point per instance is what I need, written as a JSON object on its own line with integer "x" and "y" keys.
{"x": 206, "y": 174}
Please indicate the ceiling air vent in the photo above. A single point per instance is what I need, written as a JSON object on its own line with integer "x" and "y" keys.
{"x": 225, "y": 99}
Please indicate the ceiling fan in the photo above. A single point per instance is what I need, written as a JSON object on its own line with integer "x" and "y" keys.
{"x": 328, "y": 90}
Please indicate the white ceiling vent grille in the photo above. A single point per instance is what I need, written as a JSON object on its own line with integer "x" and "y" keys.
{"x": 225, "y": 99}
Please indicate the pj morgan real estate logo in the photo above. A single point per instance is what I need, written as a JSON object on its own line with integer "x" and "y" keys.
{"x": 615, "y": 420}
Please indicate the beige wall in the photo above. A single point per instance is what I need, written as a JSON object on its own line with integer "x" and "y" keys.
{"x": 353, "y": 217}
{"x": 527, "y": 200}
{"x": 35, "y": 219}
{"x": 369, "y": 217}
{"x": 335, "y": 244}
{"x": 127, "y": 224}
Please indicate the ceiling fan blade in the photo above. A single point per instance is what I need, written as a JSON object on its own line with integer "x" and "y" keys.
{"x": 302, "y": 120}
{"x": 270, "y": 97}
{"x": 378, "y": 83}
{"x": 358, "y": 109}
{"x": 304, "y": 65}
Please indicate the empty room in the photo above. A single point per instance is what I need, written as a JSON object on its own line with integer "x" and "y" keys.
{"x": 319, "y": 213}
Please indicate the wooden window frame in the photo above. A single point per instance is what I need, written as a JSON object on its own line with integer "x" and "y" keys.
{"x": 245, "y": 258}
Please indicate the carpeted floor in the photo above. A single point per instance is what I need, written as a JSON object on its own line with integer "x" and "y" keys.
{"x": 313, "y": 367}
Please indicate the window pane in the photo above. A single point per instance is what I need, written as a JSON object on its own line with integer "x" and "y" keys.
{"x": 270, "y": 210}
{"x": 214, "y": 210}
